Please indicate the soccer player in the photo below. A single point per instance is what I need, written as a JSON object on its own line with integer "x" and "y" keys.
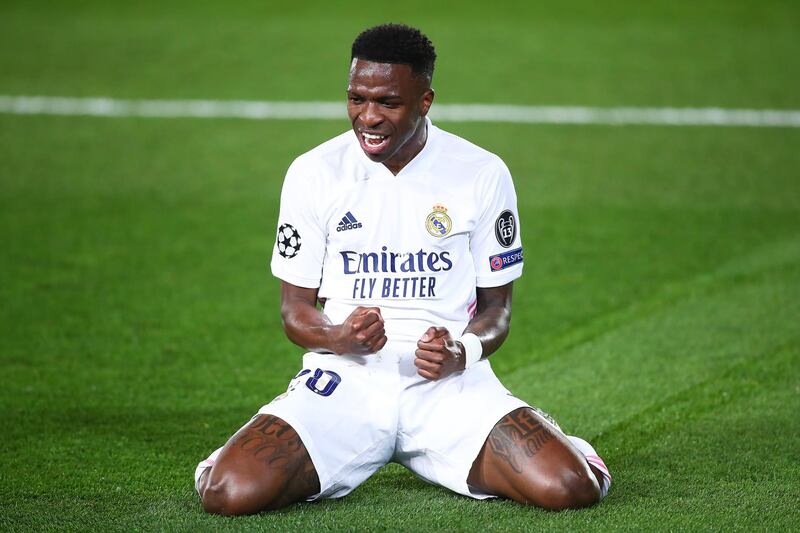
{"x": 409, "y": 239}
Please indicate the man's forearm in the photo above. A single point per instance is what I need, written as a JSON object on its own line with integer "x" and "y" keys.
{"x": 308, "y": 327}
{"x": 361, "y": 333}
{"x": 492, "y": 320}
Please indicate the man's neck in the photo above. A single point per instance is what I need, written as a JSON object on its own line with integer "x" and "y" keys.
{"x": 411, "y": 149}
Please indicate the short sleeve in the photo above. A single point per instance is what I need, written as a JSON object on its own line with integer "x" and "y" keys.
{"x": 496, "y": 244}
{"x": 299, "y": 249}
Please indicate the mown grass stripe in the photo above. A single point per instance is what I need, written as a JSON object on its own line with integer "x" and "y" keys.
{"x": 266, "y": 110}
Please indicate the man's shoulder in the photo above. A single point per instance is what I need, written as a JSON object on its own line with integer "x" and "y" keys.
{"x": 456, "y": 150}
{"x": 332, "y": 154}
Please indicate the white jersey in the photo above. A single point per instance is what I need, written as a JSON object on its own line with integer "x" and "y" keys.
{"x": 416, "y": 245}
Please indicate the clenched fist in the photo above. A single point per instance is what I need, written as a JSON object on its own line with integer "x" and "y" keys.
{"x": 361, "y": 333}
{"x": 438, "y": 355}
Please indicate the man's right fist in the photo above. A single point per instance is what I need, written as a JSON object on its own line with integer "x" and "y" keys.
{"x": 361, "y": 333}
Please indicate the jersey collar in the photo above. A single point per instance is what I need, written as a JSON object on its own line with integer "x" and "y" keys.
{"x": 419, "y": 163}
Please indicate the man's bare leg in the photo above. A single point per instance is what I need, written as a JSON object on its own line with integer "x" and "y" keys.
{"x": 264, "y": 466}
{"x": 527, "y": 460}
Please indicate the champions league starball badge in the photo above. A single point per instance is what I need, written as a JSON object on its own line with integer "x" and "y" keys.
{"x": 288, "y": 241}
{"x": 438, "y": 223}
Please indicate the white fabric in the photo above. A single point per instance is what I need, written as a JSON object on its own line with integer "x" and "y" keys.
{"x": 364, "y": 235}
{"x": 416, "y": 245}
{"x": 202, "y": 466}
{"x": 375, "y": 415}
{"x": 472, "y": 347}
{"x": 594, "y": 460}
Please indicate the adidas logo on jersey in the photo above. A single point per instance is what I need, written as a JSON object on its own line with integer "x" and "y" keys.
{"x": 348, "y": 222}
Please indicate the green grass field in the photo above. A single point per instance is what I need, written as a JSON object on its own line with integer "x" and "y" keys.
{"x": 658, "y": 317}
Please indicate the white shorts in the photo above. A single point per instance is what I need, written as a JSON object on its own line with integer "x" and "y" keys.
{"x": 354, "y": 418}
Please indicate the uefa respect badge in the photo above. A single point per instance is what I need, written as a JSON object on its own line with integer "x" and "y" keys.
{"x": 505, "y": 259}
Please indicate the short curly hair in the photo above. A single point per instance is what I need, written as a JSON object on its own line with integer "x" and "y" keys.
{"x": 396, "y": 43}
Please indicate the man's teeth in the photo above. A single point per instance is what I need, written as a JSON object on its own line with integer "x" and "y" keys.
{"x": 373, "y": 139}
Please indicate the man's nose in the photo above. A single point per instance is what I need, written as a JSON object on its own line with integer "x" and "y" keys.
{"x": 371, "y": 114}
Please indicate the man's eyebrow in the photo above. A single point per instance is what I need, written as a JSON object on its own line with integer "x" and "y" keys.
{"x": 382, "y": 98}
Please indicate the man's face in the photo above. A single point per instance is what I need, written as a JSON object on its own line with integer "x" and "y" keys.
{"x": 387, "y": 107}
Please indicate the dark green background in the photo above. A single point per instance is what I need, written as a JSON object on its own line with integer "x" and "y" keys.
{"x": 657, "y": 317}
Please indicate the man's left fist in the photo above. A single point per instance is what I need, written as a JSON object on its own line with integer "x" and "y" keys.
{"x": 438, "y": 355}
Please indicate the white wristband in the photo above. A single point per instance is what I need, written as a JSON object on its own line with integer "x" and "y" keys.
{"x": 473, "y": 349}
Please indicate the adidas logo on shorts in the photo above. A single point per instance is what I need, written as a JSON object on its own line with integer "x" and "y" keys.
{"x": 348, "y": 222}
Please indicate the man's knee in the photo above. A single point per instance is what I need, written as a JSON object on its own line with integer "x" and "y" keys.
{"x": 526, "y": 459}
{"x": 221, "y": 498}
{"x": 232, "y": 497}
{"x": 265, "y": 466}
{"x": 217, "y": 499}
{"x": 570, "y": 489}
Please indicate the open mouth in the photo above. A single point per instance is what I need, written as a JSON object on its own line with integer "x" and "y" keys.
{"x": 373, "y": 143}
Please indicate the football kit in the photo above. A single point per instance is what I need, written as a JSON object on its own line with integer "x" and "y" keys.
{"x": 416, "y": 245}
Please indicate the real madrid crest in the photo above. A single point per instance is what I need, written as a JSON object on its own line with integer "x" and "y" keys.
{"x": 438, "y": 223}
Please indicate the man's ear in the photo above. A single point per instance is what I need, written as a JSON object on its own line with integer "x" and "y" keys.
{"x": 427, "y": 100}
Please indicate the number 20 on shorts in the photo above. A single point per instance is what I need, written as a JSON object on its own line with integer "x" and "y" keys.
{"x": 323, "y": 382}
